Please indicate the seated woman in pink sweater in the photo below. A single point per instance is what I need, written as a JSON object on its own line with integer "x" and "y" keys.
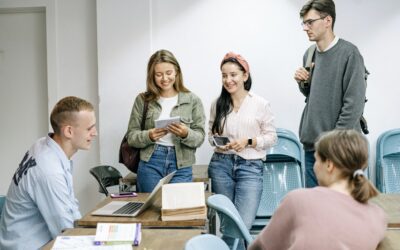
{"x": 335, "y": 215}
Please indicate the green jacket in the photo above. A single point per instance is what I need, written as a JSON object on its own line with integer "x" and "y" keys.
{"x": 191, "y": 111}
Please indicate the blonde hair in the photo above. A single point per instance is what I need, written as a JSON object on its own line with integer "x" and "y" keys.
{"x": 65, "y": 110}
{"x": 348, "y": 150}
{"x": 162, "y": 56}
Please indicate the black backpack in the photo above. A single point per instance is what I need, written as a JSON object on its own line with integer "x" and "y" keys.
{"x": 307, "y": 83}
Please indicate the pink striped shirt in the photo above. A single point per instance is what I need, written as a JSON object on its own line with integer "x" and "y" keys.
{"x": 254, "y": 119}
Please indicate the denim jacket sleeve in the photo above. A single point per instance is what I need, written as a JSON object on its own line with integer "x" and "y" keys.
{"x": 196, "y": 132}
{"x": 136, "y": 137}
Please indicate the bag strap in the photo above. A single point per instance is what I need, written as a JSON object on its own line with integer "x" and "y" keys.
{"x": 310, "y": 56}
{"x": 308, "y": 67}
{"x": 145, "y": 108}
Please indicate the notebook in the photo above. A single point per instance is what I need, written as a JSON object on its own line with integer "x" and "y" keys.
{"x": 132, "y": 209}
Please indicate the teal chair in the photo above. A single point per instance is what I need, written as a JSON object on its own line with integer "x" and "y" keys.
{"x": 2, "y": 202}
{"x": 106, "y": 176}
{"x": 206, "y": 242}
{"x": 231, "y": 223}
{"x": 388, "y": 161}
{"x": 283, "y": 172}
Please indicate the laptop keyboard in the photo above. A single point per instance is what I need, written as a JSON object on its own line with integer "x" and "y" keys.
{"x": 129, "y": 208}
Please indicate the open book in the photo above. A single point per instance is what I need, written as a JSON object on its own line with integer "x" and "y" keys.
{"x": 183, "y": 201}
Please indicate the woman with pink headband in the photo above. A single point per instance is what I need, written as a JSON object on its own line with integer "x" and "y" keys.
{"x": 236, "y": 169}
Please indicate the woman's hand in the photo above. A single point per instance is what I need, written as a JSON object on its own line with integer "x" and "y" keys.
{"x": 237, "y": 145}
{"x": 178, "y": 129}
{"x": 157, "y": 133}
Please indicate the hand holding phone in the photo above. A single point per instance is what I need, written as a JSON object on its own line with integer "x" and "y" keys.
{"x": 123, "y": 195}
{"x": 220, "y": 141}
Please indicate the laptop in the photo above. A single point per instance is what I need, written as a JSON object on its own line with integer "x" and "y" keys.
{"x": 133, "y": 209}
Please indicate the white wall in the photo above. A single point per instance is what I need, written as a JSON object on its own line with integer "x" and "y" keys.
{"x": 267, "y": 33}
{"x": 23, "y": 67}
{"x": 77, "y": 75}
{"x": 71, "y": 70}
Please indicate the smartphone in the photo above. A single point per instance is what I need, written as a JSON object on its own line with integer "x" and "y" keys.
{"x": 220, "y": 141}
{"x": 123, "y": 195}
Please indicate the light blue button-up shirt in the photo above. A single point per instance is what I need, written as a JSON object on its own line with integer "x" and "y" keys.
{"x": 40, "y": 200}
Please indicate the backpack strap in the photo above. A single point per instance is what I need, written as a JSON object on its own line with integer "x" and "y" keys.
{"x": 310, "y": 56}
{"x": 308, "y": 66}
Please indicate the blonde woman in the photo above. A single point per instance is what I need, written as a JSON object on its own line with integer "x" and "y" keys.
{"x": 164, "y": 150}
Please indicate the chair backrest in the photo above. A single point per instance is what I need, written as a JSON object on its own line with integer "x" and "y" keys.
{"x": 231, "y": 224}
{"x": 2, "y": 202}
{"x": 106, "y": 176}
{"x": 283, "y": 172}
{"x": 287, "y": 146}
{"x": 388, "y": 161}
{"x": 206, "y": 242}
{"x": 389, "y": 142}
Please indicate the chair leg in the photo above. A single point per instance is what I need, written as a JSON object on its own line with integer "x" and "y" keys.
{"x": 235, "y": 244}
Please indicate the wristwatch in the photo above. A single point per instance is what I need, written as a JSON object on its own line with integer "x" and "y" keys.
{"x": 249, "y": 142}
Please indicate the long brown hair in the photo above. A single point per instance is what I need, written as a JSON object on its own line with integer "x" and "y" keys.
{"x": 348, "y": 150}
{"x": 162, "y": 56}
{"x": 224, "y": 104}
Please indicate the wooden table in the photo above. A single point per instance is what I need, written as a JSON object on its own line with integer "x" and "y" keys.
{"x": 152, "y": 239}
{"x": 390, "y": 203}
{"x": 200, "y": 174}
{"x": 151, "y": 217}
{"x": 391, "y": 240}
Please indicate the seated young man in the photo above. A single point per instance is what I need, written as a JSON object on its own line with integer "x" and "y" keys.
{"x": 40, "y": 201}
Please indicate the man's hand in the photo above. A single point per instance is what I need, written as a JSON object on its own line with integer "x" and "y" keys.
{"x": 301, "y": 74}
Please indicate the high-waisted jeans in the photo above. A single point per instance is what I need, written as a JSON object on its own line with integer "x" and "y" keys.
{"x": 241, "y": 181}
{"x": 161, "y": 163}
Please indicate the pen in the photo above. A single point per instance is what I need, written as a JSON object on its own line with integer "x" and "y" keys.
{"x": 136, "y": 241}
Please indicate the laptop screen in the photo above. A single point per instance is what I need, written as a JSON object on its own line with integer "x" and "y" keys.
{"x": 110, "y": 208}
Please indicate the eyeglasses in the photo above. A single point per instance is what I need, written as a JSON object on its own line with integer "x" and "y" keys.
{"x": 309, "y": 22}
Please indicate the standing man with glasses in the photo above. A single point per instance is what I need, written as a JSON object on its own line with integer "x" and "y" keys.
{"x": 334, "y": 85}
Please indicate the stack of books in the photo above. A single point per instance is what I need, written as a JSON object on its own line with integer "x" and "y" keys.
{"x": 183, "y": 201}
{"x": 118, "y": 233}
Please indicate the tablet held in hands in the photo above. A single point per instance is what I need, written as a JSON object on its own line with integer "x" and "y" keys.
{"x": 163, "y": 123}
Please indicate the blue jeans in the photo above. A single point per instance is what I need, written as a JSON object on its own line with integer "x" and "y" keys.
{"x": 161, "y": 163}
{"x": 311, "y": 179}
{"x": 241, "y": 181}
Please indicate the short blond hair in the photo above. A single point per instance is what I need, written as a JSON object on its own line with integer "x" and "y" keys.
{"x": 65, "y": 110}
